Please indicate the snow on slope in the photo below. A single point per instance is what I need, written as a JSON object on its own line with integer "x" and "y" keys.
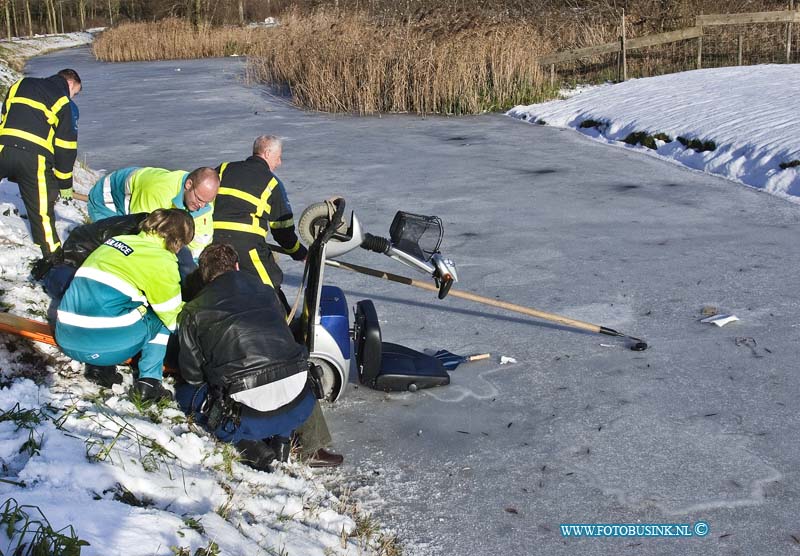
{"x": 750, "y": 113}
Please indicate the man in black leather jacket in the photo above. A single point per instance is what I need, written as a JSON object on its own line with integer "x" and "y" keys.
{"x": 246, "y": 377}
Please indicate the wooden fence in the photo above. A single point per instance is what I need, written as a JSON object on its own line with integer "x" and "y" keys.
{"x": 624, "y": 44}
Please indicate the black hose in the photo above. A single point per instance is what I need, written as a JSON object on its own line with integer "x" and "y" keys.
{"x": 376, "y": 243}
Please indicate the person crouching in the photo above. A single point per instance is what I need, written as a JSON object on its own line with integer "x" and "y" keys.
{"x": 246, "y": 376}
{"x": 125, "y": 299}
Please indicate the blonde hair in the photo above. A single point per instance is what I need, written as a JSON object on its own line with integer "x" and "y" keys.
{"x": 176, "y": 226}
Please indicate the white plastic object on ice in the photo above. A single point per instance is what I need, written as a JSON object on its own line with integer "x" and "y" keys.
{"x": 720, "y": 320}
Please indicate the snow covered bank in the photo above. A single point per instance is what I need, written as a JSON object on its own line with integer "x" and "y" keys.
{"x": 25, "y": 48}
{"x": 750, "y": 114}
{"x": 131, "y": 480}
{"x": 85, "y": 471}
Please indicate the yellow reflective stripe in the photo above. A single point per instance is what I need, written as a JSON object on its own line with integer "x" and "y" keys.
{"x": 66, "y": 144}
{"x": 222, "y": 169}
{"x": 262, "y": 272}
{"x": 237, "y": 227}
{"x": 281, "y": 224}
{"x": 28, "y": 137}
{"x": 62, "y": 175}
{"x": 263, "y": 204}
{"x": 59, "y": 104}
{"x": 239, "y": 194}
{"x": 294, "y": 248}
{"x": 52, "y": 119}
{"x": 42, "y": 183}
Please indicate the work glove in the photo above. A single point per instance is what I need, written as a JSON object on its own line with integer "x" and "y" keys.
{"x": 41, "y": 267}
{"x": 65, "y": 194}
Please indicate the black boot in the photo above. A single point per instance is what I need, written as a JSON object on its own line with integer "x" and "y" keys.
{"x": 282, "y": 446}
{"x": 256, "y": 453}
{"x": 102, "y": 375}
{"x": 150, "y": 389}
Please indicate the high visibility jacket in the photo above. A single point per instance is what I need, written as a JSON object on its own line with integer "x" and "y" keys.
{"x": 116, "y": 283}
{"x": 133, "y": 189}
{"x": 39, "y": 117}
{"x": 252, "y": 200}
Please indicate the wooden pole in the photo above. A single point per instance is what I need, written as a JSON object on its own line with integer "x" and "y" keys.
{"x": 700, "y": 51}
{"x": 565, "y": 321}
{"x": 624, "y": 50}
{"x": 741, "y": 48}
{"x": 789, "y": 36}
{"x": 553, "y": 76}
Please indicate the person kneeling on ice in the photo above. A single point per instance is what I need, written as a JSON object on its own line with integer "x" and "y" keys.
{"x": 125, "y": 299}
{"x": 246, "y": 378}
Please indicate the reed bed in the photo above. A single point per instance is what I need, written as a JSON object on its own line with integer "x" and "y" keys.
{"x": 353, "y": 65}
{"x": 173, "y": 39}
{"x": 433, "y": 60}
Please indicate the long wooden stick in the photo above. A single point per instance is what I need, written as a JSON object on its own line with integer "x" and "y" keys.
{"x": 566, "y": 321}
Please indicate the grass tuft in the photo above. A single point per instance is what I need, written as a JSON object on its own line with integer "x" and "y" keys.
{"x": 697, "y": 144}
{"x": 31, "y": 534}
{"x": 599, "y": 125}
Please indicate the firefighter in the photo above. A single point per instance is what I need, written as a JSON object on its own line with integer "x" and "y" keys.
{"x": 131, "y": 190}
{"x": 251, "y": 203}
{"x": 125, "y": 299}
{"x": 38, "y": 146}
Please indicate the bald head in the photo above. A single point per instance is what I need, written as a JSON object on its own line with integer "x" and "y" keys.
{"x": 200, "y": 188}
{"x": 270, "y": 148}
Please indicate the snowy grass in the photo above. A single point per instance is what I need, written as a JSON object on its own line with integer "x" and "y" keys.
{"x": 13, "y": 53}
{"x": 91, "y": 464}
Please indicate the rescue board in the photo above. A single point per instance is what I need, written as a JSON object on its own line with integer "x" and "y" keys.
{"x": 35, "y": 330}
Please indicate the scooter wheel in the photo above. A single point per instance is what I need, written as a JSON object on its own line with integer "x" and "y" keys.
{"x": 313, "y": 220}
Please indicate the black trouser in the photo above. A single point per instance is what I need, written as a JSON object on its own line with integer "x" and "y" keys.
{"x": 39, "y": 190}
{"x": 256, "y": 258}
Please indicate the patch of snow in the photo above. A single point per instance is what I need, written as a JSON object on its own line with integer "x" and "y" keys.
{"x": 750, "y": 113}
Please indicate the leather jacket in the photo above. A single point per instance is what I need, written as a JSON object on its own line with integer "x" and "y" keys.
{"x": 234, "y": 336}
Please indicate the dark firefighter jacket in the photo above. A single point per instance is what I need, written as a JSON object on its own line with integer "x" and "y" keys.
{"x": 252, "y": 200}
{"x": 234, "y": 336}
{"x": 37, "y": 116}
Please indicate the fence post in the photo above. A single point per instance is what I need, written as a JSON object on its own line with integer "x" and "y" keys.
{"x": 553, "y": 76}
{"x": 700, "y": 50}
{"x": 741, "y": 47}
{"x": 789, "y": 35}
{"x": 624, "y": 53}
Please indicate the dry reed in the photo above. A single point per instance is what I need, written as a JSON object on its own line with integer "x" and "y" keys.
{"x": 351, "y": 64}
{"x": 172, "y": 39}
